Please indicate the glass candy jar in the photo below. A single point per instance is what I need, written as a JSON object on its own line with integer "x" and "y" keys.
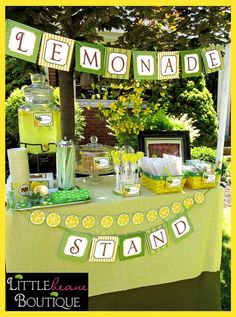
{"x": 39, "y": 119}
{"x": 94, "y": 159}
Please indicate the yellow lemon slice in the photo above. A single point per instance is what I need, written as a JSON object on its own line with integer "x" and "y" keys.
{"x": 176, "y": 207}
{"x": 152, "y": 215}
{"x": 106, "y": 221}
{"x": 164, "y": 212}
{"x": 37, "y": 217}
{"x": 138, "y": 218}
{"x": 53, "y": 219}
{"x": 41, "y": 189}
{"x": 199, "y": 198}
{"x": 72, "y": 221}
{"x": 88, "y": 222}
{"x": 122, "y": 220}
{"x": 188, "y": 202}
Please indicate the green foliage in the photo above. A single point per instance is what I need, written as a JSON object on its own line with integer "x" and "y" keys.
{"x": 13, "y": 102}
{"x": 207, "y": 154}
{"x": 79, "y": 117}
{"x": 163, "y": 121}
{"x": 191, "y": 97}
{"x": 18, "y": 73}
{"x": 171, "y": 28}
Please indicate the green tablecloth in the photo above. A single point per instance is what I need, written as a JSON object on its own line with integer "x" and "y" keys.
{"x": 31, "y": 248}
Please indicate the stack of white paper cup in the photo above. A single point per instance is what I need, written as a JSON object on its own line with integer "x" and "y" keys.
{"x": 19, "y": 170}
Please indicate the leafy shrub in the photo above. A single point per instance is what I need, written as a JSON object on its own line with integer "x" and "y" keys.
{"x": 163, "y": 121}
{"x": 14, "y": 101}
{"x": 191, "y": 97}
{"x": 18, "y": 73}
{"x": 207, "y": 154}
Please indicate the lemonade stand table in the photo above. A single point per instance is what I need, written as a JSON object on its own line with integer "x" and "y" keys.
{"x": 182, "y": 276}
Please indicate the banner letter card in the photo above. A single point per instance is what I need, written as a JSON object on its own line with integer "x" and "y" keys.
{"x": 56, "y": 52}
{"x": 75, "y": 245}
{"x": 212, "y": 59}
{"x": 22, "y": 41}
{"x": 168, "y": 65}
{"x": 104, "y": 249}
{"x": 180, "y": 227}
{"x": 157, "y": 239}
{"x": 131, "y": 246}
{"x": 89, "y": 58}
{"x": 117, "y": 63}
{"x": 191, "y": 62}
{"x": 145, "y": 65}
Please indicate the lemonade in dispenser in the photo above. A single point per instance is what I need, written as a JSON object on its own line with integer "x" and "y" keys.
{"x": 39, "y": 119}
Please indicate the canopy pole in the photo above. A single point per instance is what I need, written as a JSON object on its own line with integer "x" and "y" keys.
{"x": 224, "y": 104}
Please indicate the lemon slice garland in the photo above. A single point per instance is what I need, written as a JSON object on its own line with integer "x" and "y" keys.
{"x": 164, "y": 212}
{"x": 188, "y": 202}
{"x": 199, "y": 197}
{"x": 123, "y": 220}
{"x": 37, "y": 217}
{"x": 176, "y": 207}
{"x": 138, "y": 218}
{"x": 88, "y": 222}
{"x": 71, "y": 221}
{"x": 106, "y": 221}
{"x": 151, "y": 215}
{"x": 54, "y": 219}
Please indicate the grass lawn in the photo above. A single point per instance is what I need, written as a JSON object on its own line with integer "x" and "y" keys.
{"x": 226, "y": 262}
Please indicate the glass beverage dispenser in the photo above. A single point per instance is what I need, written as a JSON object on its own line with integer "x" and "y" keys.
{"x": 39, "y": 119}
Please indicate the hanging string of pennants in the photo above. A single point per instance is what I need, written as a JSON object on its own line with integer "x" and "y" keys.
{"x": 104, "y": 248}
{"x": 55, "y": 51}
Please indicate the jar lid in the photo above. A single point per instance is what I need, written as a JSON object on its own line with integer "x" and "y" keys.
{"x": 38, "y": 91}
{"x": 94, "y": 146}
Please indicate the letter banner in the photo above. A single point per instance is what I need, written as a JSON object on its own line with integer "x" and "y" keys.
{"x": 212, "y": 59}
{"x": 56, "y": 52}
{"x": 158, "y": 238}
{"x": 180, "y": 227}
{"x": 145, "y": 65}
{"x": 75, "y": 245}
{"x": 168, "y": 65}
{"x": 104, "y": 249}
{"x": 191, "y": 62}
{"x": 131, "y": 246}
{"x": 117, "y": 63}
{"x": 89, "y": 58}
{"x": 22, "y": 41}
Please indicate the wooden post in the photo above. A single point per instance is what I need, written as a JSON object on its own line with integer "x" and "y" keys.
{"x": 224, "y": 103}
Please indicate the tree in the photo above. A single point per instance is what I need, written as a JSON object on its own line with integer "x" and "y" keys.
{"x": 177, "y": 28}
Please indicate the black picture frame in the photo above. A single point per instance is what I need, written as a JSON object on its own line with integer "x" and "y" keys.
{"x": 179, "y": 138}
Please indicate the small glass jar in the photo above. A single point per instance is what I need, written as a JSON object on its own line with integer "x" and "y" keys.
{"x": 94, "y": 159}
{"x": 65, "y": 159}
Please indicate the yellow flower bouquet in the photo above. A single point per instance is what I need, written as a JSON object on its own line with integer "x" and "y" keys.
{"x": 125, "y": 116}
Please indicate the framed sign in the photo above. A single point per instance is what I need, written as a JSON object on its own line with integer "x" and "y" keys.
{"x": 155, "y": 144}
